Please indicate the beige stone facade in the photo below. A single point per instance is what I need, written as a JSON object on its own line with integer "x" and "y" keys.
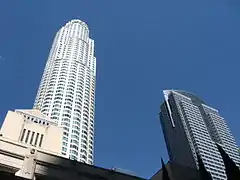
{"x": 33, "y": 129}
{"x": 27, "y": 156}
{"x": 18, "y": 160}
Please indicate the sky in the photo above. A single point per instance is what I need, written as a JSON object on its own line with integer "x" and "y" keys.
{"x": 142, "y": 48}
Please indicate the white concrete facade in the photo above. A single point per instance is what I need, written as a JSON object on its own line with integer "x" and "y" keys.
{"x": 67, "y": 90}
{"x": 33, "y": 129}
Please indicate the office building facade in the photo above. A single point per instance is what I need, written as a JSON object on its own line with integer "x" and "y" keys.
{"x": 190, "y": 126}
{"x": 67, "y": 89}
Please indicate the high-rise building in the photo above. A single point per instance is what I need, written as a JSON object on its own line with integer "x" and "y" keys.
{"x": 67, "y": 89}
{"x": 190, "y": 126}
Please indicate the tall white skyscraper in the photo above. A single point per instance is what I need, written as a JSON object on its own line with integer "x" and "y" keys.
{"x": 67, "y": 89}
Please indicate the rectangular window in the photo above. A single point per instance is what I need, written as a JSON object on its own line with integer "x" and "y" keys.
{"x": 31, "y": 140}
{"x": 36, "y": 140}
{"x": 26, "y": 140}
{"x": 41, "y": 139}
{"x": 23, "y": 133}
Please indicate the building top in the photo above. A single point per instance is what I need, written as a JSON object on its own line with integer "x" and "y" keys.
{"x": 188, "y": 97}
{"x": 36, "y": 116}
{"x": 184, "y": 93}
{"x": 76, "y": 21}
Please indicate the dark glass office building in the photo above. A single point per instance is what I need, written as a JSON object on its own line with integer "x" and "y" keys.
{"x": 190, "y": 126}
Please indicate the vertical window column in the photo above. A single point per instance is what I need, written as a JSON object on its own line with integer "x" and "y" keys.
{"x": 22, "y": 135}
{"x": 32, "y": 137}
{"x": 36, "y": 139}
{"x": 41, "y": 139}
{"x": 27, "y": 137}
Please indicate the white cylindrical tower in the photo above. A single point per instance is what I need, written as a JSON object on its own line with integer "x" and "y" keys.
{"x": 67, "y": 89}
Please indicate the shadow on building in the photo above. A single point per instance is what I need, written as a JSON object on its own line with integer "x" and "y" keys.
{"x": 177, "y": 172}
{"x": 18, "y": 161}
{"x": 30, "y": 148}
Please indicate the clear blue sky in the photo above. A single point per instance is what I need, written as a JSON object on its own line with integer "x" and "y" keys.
{"x": 142, "y": 47}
